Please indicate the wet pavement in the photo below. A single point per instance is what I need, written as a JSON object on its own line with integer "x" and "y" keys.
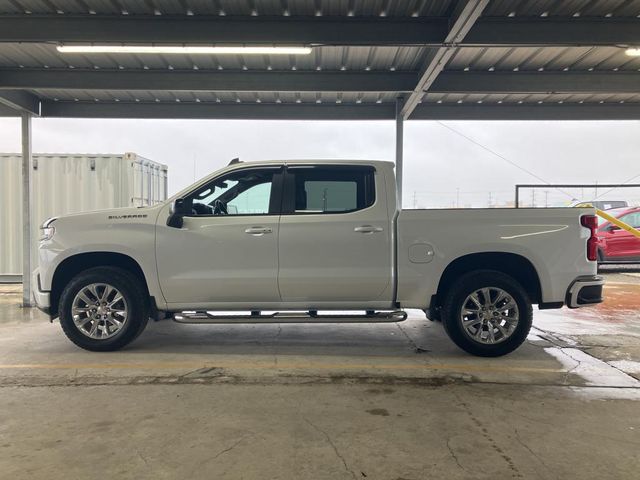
{"x": 389, "y": 401}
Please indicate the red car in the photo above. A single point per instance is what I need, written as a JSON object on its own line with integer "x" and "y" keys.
{"x": 616, "y": 245}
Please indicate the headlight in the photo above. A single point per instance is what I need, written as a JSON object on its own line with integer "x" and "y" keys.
{"x": 48, "y": 230}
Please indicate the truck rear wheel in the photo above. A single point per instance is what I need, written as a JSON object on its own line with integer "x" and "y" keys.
{"x": 103, "y": 309}
{"x": 487, "y": 313}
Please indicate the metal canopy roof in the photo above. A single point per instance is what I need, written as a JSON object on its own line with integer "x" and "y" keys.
{"x": 473, "y": 59}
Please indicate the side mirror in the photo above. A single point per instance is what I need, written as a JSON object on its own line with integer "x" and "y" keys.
{"x": 177, "y": 212}
{"x": 613, "y": 228}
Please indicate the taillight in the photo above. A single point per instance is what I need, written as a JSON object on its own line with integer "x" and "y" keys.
{"x": 591, "y": 222}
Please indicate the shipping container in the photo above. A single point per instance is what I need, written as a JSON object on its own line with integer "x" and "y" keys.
{"x": 69, "y": 183}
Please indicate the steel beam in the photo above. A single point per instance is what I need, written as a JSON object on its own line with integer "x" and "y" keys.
{"x": 463, "y": 18}
{"x": 253, "y": 111}
{"x": 199, "y": 29}
{"x": 553, "y": 31}
{"x": 536, "y": 82}
{"x": 484, "y": 111}
{"x": 385, "y": 111}
{"x": 20, "y": 101}
{"x": 189, "y": 80}
{"x": 446, "y": 82}
{"x": 27, "y": 217}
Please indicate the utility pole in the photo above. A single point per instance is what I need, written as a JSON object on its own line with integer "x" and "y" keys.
{"x": 415, "y": 200}
{"x": 546, "y": 198}
{"x": 489, "y": 199}
{"x": 458, "y": 197}
{"x": 533, "y": 197}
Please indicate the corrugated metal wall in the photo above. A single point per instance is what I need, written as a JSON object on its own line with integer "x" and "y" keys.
{"x": 69, "y": 183}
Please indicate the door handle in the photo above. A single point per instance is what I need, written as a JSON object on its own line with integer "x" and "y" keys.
{"x": 367, "y": 229}
{"x": 258, "y": 230}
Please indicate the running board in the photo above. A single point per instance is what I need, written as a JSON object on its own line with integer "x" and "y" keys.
{"x": 290, "y": 317}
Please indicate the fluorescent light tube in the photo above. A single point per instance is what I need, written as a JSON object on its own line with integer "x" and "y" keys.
{"x": 184, "y": 50}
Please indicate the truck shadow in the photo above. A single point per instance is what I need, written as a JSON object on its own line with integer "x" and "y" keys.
{"x": 411, "y": 338}
{"x": 296, "y": 339}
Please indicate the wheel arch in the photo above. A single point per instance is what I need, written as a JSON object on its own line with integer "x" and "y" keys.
{"x": 512, "y": 264}
{"x": 77, "y": 263}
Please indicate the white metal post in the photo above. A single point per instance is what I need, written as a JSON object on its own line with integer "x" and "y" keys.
{"x": 27, "y": 171}
{"x": 399, "y": 149}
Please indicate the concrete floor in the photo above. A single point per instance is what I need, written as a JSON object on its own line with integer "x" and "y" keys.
{"x": 386, "y": 401}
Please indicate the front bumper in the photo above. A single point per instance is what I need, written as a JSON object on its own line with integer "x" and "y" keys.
{"x": 585, "y": 291}
{"x": 42, "y": 298}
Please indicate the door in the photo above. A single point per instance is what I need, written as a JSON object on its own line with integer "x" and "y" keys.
{"x": 227, "y": 249}
{"x": 622, "y": 244}
{"x": 335, "y": 238}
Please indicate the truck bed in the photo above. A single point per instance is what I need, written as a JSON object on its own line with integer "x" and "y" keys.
{"x": 552, "y": 239}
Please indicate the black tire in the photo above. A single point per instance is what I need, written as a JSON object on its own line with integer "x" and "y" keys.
{"x": 454, "y": 302}
{"x": 134, "y": 294}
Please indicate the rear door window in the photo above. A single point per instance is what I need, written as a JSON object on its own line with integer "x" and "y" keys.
{"x": 326, "y": 190}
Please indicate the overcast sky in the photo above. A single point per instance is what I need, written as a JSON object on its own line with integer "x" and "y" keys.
{"x": 438, "y": 162}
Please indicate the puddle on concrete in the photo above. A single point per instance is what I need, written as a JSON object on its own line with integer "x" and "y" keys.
{"x": 621, "y": 304}
{"x": 11, "y": 306}
{"x": 619, "y": 314}
{"x": 607, "y": 393}
{"x": 628, "y": 366}
{"x": 595, "y": 372}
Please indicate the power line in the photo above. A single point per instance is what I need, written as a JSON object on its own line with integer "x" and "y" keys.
{"x": 614, "y": 188}
{"x": 502, "y": 157}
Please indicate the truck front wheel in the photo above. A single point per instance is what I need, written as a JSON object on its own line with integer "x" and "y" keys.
{"x": 487, "y": 313}
{"x": 103, "y": 309}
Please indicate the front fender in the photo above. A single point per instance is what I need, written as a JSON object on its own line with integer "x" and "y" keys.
{"x": 89, "y": 233}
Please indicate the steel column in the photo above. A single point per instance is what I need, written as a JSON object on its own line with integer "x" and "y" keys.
{"x": 27, "y": 169}
{"x": 399, "y": 149}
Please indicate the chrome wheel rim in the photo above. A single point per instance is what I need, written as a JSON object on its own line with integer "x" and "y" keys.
{"x": 489, "y": 315}
{"x": 99, "y": 311}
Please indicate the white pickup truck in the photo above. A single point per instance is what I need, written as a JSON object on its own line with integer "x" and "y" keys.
{"x": 274, "y": 238}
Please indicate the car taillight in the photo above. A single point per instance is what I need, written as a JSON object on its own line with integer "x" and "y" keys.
{"x": 591, "y": 222}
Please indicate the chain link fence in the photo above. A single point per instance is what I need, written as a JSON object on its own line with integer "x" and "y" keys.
{"x": 602, "y": 196}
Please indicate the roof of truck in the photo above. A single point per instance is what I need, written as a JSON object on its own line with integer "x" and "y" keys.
{"x": 335, "y": 161}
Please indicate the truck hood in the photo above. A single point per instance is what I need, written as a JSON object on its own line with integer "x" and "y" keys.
{"x": 108, "y": 217}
